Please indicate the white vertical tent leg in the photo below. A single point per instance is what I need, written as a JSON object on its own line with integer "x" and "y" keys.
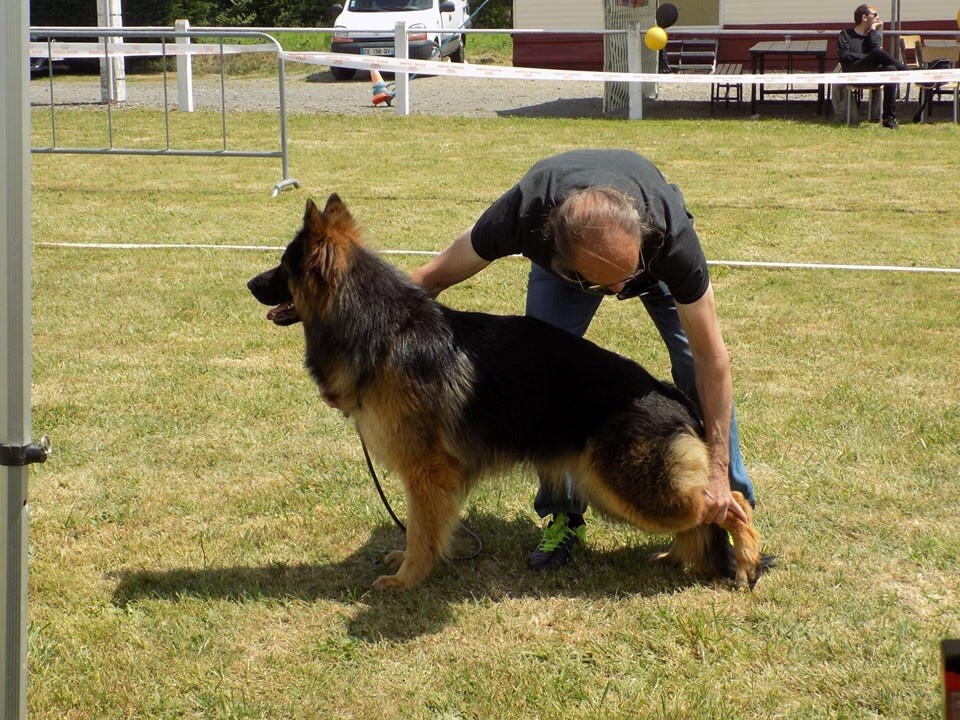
{"x": 401, "y": 101}
{"x": 13, "y": 596}
{"x": 15, "y": 445}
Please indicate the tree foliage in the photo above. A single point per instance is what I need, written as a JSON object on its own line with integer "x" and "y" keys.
{"x": 229, "y": 13}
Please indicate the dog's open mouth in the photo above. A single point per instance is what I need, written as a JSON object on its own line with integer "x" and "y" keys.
{"x": 283, "y": 314}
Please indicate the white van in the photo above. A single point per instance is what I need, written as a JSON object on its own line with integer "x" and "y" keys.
{"x": 365, "y": 27}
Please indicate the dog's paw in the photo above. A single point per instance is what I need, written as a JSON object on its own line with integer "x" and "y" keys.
{"x": 749, "y": 566}
{"x": 395, "y": 559}
{"x": 390, "y": 582}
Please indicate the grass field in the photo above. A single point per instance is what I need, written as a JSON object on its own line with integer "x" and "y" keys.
{"x": 205, "y": 536}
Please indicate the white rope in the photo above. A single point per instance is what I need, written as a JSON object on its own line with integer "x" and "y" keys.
{"x": 832, "y": 266}
{"x": 730, "y": 263}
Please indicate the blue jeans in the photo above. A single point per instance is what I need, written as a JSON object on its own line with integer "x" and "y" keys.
{"x": 558, "y": 303}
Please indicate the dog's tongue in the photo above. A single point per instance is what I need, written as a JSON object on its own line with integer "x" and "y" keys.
{"x": 283, "y": 311}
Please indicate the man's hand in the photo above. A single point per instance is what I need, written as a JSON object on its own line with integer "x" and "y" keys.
{"x": 720, "y": 501}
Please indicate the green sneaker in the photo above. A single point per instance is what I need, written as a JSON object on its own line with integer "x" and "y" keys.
{"x": 559, "y": 539}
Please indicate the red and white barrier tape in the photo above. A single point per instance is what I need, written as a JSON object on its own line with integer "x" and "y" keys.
{"x": 447, "y": 69}
{"x": 62, "y": 50}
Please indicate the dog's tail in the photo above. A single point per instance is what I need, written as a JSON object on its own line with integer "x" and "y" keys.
{"x": 687, "y": 461}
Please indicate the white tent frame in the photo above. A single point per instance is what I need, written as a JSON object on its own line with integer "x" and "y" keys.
{"x": 17, "y": 450}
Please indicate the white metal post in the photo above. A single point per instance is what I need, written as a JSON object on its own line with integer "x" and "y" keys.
{"x": 402, "y": 50}
{"x": 113, "y": 76}
{"x": 14, "y": 352}
{"x": 184, "y": 71}
{"x": 895, "y": 26}
{"x": 634, "y": 65}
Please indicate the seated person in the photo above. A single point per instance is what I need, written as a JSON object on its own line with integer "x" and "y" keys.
{"x": 861, "y": 50}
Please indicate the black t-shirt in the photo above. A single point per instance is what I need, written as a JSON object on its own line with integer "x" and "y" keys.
{"x": 514, "y": 224}
{"x": 853, "y": 46}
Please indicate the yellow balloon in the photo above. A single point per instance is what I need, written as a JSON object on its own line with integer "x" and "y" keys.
{"x": 656, "y": 38}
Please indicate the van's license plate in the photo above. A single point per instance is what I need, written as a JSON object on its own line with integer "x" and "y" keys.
{"x": 376, "y": 51}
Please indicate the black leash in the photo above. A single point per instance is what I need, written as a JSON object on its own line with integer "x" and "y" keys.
{"x": 376, "y": 482}
{"x": 386, "y": 504}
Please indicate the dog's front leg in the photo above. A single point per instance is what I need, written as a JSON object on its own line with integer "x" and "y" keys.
{"x": 433, "y": 499}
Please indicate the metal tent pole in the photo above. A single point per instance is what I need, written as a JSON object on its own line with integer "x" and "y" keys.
{"x": 16, "y": 449}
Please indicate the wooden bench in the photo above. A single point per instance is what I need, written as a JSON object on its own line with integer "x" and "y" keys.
{"x": 726, "y": 91}
{"x": 691, "y": 55}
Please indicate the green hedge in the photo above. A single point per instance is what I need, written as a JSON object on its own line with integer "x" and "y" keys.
{"x": 242, "y": 13}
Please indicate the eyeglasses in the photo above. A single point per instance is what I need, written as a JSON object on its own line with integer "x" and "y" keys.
{"x": 871, "y": 14}
{"x": 595, "y": 288}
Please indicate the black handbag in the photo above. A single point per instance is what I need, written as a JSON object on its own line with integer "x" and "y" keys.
{"x": 930, "y": 89}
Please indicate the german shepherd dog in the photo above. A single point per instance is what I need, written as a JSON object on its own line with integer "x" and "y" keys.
{"x": 442, "y": 397}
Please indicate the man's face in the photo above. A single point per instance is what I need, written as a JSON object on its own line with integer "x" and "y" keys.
{"x": 609, "y": 263}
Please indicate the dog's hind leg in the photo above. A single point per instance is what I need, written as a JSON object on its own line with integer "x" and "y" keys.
{"x": 434, "y": 491}
{"x": 688, "y": 548}
{"x": 706, "y": 548}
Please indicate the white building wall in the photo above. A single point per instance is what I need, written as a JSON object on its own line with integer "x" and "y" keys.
{"x": 558, "y": 14}
{"x": 589, "y": 14}
{"x": 788, "y": 12}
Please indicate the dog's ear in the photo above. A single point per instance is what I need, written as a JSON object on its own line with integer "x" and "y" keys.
{"x": 313, "y": 221}
{"x": 331, "y": 237}
{"x": 337, "y": 216}
{"x": 334, "y": 205}
{"x": 309, "y": 210}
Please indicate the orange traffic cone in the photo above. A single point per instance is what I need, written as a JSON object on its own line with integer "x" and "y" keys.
{"x": 382, "y": 93}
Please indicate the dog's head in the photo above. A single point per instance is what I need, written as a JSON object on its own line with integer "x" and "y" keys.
{"x": 312, "y": 265}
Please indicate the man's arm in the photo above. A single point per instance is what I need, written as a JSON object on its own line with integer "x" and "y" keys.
{"x": 455, "y": 264}
{"x": 711, "y": 364}
{"x": 874, "y": 38}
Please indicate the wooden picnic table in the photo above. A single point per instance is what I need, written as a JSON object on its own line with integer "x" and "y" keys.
{"x": 790, "y": 50}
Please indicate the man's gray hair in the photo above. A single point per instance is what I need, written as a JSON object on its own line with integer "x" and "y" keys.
{"x": 585, "y": 216}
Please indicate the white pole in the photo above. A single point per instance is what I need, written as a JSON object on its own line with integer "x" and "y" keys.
{"x": 895, "y": 26}
{"x": 14, "y": 351}
{"x": 634, "y": 65}
{"x": 184, "y": 71}
{"x": 113, "y": 76}
{"x": 402, "y": 50}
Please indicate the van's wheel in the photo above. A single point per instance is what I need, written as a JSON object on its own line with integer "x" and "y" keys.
{"x": 435, "y": 54}
{"x": 457, "y": 55}
{"x": 342, "y": 73}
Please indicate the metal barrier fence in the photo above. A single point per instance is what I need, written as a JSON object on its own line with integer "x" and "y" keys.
{"x": 112, "y": 46}
{"x": 638, "y": 83}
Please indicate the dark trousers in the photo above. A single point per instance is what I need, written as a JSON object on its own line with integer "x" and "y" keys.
{"x": 880, "y": 60}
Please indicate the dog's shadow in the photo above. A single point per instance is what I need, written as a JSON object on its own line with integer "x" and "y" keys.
{"x": 499, "y": 572}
